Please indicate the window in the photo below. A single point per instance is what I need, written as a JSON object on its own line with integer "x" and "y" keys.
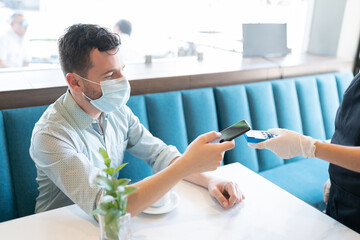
{"x": 163, "y": 29}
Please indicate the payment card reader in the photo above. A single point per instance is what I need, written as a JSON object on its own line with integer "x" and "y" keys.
{"x": 256, "y": 136}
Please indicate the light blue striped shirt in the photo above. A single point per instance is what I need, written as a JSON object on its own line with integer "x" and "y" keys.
{"x": 65, "y": 148}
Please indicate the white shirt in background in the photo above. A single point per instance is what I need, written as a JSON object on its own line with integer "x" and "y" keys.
{"x": 130, "y": 51}
{"x": 14, "y": 50}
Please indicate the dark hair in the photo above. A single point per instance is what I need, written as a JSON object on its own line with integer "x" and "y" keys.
{"x": 77, "y": 42}
{"x": 124, "y": 26}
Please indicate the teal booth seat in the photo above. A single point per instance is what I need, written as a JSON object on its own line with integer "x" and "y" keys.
{"x": 7, "y": 203}
{"x": 19, "y": 124}
{"x": 304, "y": 104}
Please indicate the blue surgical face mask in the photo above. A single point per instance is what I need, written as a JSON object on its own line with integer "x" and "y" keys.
{"x": 115, "y": 94}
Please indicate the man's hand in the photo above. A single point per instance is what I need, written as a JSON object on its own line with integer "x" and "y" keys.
{"x": 226, "y": 193}
{"x": 202, "y": 156}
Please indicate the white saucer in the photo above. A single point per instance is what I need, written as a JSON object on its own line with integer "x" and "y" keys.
{"x": 174, "y": 202}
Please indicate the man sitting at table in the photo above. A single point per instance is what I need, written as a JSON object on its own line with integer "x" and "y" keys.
{"x": 92, "y": 114}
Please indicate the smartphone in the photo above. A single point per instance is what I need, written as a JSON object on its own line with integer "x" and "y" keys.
{"x": 233, "y": 131}
{"x": 256, "y": 136}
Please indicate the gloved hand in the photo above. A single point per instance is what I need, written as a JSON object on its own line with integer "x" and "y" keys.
{"x": 288, "y": 144}
{"x": 326, "y": 191}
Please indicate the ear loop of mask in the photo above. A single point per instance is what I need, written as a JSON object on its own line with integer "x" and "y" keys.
{"x": 87, "y": 79}
{"x": 87, "y": 98}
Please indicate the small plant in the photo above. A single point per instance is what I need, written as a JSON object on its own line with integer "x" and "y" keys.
{"x": 115, "y": 192}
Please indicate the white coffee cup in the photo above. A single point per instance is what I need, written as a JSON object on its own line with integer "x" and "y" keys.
{"x": 163, "y": 201}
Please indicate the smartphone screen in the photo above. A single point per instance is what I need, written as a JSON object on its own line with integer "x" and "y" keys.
{"x": 234, "y": 131}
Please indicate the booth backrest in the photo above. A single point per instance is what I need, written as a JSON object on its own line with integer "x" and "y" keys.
{"x": 305, "y": 104}
{"x": 7, "y": 203}
{"x": 19, "y": 124}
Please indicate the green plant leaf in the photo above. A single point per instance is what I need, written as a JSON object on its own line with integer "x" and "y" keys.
{"x": 104, "y": 183}
{"x": 112, "y": 230}
{"x": 104, "y": 154}
{"x": 129, "y": 190}
{"x": 115, "y": 184}
{"x": 104, "y": 206}
{"x": 98, "y": 211}
{"x": 107, "y": 198}
{"x": 107, "y": 206}
{"x": 109, "y": 171}
{"x": 114, "y": 202}
{"x": 120, "y": 190}
{"x": 120, "y": 167}
{"x": 112, "y": 215}
{"x": 123, "y": 181}
{"x": 123, "y": 206}
{"x": 107, "y": 162}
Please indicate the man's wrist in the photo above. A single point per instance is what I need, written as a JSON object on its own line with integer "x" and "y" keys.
{"x": 201, "y": 179}
{"x": 181, "y": 168}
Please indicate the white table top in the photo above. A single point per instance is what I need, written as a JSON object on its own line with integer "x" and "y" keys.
{"x": 268, "y": 212}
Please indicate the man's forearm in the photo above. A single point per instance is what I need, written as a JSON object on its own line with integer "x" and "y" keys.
{"x": 201, "y": 179}
{"x": 199, "y": 157}
{"x": 152, "y": 188}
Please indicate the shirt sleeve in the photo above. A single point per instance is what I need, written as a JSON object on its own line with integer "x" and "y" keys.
{"x": 56, "y": 155}
{"x": 142, "y": 144}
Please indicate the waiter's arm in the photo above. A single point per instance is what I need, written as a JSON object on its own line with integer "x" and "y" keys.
{"x": 344, "y": 156}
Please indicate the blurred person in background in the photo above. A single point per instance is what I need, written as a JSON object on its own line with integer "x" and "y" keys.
{"x": 14, "y": 49}
{"x": 130, "y": 52}
{"x": 123, "y": 27}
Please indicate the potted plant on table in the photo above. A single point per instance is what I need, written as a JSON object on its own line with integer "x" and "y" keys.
{"x": 114, "y": 221}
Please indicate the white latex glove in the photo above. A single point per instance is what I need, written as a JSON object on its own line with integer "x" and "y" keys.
{"x": 326, "y": 191}
{"x": 288, "y": 144}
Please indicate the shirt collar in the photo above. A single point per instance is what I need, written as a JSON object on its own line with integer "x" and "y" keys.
{"x": 81, "y": 118}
